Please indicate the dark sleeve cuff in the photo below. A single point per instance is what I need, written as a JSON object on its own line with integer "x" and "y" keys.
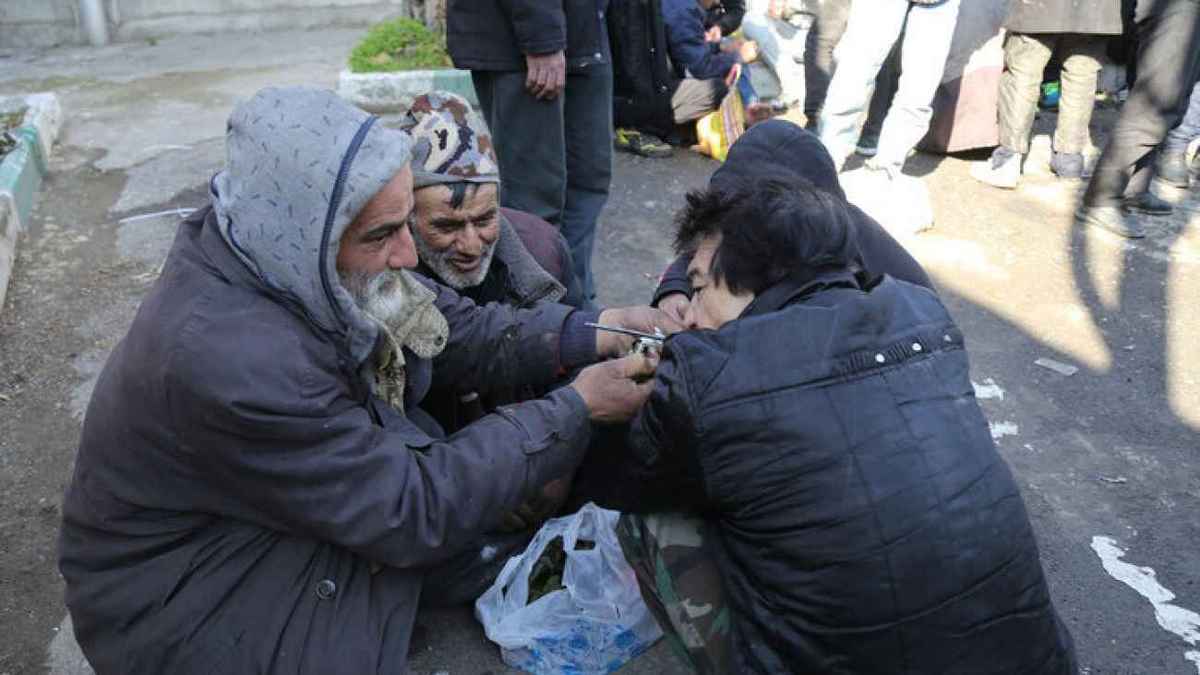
{"x": 674, "y": 280}
{"x": 669, "y": 287}
{"x": 577, "y": 343}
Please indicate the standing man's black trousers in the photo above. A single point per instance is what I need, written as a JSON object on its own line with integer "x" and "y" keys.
{"x": 555, "y": 156}
{"x": 1168, "y": 63}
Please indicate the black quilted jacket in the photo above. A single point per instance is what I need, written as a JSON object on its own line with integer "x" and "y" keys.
{"x": 495, "y": 35}
{"x": 643, "y": 79}
{"x": 864, "y": 521}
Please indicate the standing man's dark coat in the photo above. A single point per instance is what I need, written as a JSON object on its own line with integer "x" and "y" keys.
{"x": 1088, "y": 17}
{"x": 496, "y": 35}
{"x": 242, "y": 501}
{"x": 644, "y": 80}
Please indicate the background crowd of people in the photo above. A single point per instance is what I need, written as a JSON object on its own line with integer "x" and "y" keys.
{"x": 867, "y": 76}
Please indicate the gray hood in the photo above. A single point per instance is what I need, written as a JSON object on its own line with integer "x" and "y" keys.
{"x": 301, "y": 163}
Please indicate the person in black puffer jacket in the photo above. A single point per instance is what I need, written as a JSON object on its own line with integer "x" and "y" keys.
{"x": 847, "y": 510}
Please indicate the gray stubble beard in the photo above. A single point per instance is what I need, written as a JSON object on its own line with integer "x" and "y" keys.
{"x": 439, "y": 262}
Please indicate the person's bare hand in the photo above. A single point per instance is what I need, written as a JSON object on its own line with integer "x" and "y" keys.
{"x": 713, "y": 34}
{"x": 641, "y": 319}
{"x": 748, "y": 51}
{"x": 545, "y": 75}
{"x": 734, "y": 73}
{"x": 675, "y": 305}
{"x": 615, "y": 390}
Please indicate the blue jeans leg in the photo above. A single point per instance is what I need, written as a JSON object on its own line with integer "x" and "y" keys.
{"x": 588, "y": 132}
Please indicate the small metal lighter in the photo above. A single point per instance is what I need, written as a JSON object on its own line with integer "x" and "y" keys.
{"x": 645, "y": 341}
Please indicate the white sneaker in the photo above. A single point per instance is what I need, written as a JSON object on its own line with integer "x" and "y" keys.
{"x": 900, "y": 203}
{"x": 1002, "y": 170}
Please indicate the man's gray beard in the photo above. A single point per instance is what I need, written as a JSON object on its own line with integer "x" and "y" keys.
{"x": 376, "y": 294}
{"x": 439, "y": 262}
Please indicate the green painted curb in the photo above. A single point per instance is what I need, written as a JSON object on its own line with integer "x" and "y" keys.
{"x": 21, "y": 172}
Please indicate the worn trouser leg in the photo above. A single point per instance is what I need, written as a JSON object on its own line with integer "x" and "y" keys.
{"x": 1025, "y": 59}
{"x": 928, "y": 33}
{"x": 829, "y": 24}
{"x": 694, "y": 98}
{"x": 886, "y": 84}
{"x": 1188, "y": 130}
{"x": 779, "y": 43}
{"x": 871, "y": 31}
{"x": 1082, "y": 56}
{"x": 681, "y": 585}
{"x": 530, "y": 142}
{"x": 588, "y": 115}
{"x": 1168, "y": 61}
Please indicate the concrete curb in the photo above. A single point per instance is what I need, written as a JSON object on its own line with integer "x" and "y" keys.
{"x": 394, "y": 92}
{"x": 8, "y": 245}
{"x": 21, "y": 172}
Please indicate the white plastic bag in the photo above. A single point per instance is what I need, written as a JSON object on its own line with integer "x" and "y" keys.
{"x": 595, "y": 624}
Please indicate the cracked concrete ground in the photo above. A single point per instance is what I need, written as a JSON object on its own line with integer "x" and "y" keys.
{"x": 1111, "y": 451}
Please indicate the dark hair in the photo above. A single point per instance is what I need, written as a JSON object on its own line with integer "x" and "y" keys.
{"x": 459, "y": 192}
{"x": 770, "y": 227}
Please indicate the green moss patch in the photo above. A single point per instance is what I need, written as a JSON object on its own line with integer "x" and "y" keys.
{"x": 11, "y": 120}
{"x": 401, "y": 44}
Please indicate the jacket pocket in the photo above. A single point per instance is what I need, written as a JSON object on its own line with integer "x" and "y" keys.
{"x": 535, "y": 439}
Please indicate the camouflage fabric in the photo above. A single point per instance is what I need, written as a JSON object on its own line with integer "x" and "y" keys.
{"x": 681, "y": 585}
{"x": 451, "y": 142}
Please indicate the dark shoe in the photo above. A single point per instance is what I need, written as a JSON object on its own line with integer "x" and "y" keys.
{"x": 1110, "y": 218}
{"x": 1067, "y": 165}
{"x": 1172, "y": 169}
{"x": 631, "y": 140}
{"x": 1149, "y": 204}
{"x": 868, "y": 145}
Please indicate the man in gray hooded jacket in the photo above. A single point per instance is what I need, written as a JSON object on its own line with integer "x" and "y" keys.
{"x": 256, "y": 488}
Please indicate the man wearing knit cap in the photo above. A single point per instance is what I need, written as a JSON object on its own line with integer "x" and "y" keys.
{"x": 257, "y": 487}
{"x": 464, "y": 238}
{"x": 487, "y": 253}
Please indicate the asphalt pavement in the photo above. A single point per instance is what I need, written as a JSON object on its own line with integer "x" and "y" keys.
{"x": 1108, "y": 457}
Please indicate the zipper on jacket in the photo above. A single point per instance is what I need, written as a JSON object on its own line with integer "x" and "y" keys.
{"x": 335, "y": 199}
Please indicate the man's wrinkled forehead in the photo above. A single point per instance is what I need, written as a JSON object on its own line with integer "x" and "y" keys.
{"x": 391, "y": 205}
